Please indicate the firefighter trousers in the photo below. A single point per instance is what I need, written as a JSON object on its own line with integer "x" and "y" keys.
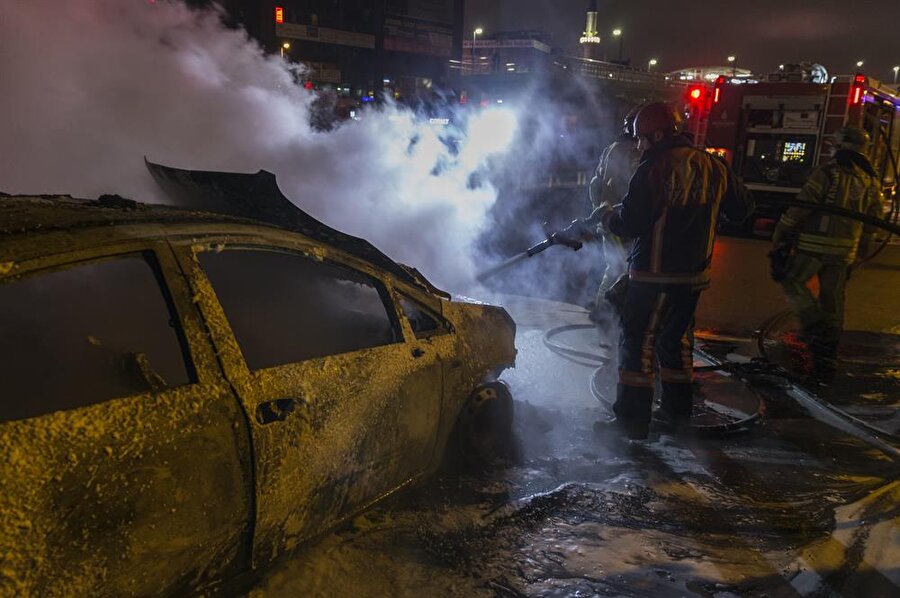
{"x": 822, "y": 317}
{"x": 657, "y": 329}
{"x": 602, "y": 313}
{"x": 616, "y": 255}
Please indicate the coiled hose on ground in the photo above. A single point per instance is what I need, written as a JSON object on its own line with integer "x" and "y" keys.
{"x": 601, "y": 359}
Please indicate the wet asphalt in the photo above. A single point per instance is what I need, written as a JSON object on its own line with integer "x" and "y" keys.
{"x": 799, "y": 504}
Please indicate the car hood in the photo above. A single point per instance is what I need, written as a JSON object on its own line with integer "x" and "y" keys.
{"x": 257, "y": 197}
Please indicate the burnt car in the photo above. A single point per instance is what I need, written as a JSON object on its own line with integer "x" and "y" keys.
{"x": 188, "y": 394}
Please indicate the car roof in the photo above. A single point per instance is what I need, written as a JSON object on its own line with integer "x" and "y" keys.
{"x": 202, "y": 197}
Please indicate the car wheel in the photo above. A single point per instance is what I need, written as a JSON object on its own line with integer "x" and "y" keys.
{"x": 484, "y": 427}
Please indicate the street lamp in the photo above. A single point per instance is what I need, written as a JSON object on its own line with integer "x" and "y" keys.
{"x": 733, "y": 60}
{"x": 859, "y": 63}
{"x": 653, "y": 62}
{"x": 617, "y": 32}
{"x": 896, "y": 70}
{"x": 478, "y": 31}
{"x": 285, "y": 46}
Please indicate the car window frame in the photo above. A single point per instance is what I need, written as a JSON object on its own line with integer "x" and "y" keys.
{"x": 188, "y": 248}
{"x": 168, "y": 277}
{"x": 444, "y": 326}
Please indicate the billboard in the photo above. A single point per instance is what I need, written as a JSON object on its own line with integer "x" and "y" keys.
{"x": 325, "y": 35}
{"x": 420, "y": 26}
{"x": 419, "y": 37}
{"x": 438, "y": 11}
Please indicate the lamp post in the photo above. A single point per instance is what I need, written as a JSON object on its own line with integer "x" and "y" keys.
{"x": 617, "y": 32}
{"x": 478, "y": 31}
{"x": 896, "y": 70}
{"x": 652, "y": 63}
{"x": 733, "y": 60}
{"x": 285, "y": 46}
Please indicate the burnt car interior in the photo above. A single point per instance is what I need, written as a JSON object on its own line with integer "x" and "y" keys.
{"x": 424, "y": 324}
{"x": 331, "y": 309}
{"x": 89, "y": 332}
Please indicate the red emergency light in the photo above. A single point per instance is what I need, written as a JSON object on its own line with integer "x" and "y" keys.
{"x": 856, "y": 94}
{"x": 717, "y": 92}
{"x": 279, "y": 15}
{"x": 696, "y": 94}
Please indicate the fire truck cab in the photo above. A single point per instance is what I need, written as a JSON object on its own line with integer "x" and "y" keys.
{"x": 773, "y": 132}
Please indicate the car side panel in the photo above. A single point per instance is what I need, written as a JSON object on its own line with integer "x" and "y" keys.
{"x": 363, "y": 423}
{"x": 126, "y": 497}
{"x": 483, "y": 346}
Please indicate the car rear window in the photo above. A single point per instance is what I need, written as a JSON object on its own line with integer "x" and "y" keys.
{"x": 287, "y": 307}
{"x": 85, "y": 334}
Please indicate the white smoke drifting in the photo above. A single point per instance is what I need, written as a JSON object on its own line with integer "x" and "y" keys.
{"x": 90, "y": 87}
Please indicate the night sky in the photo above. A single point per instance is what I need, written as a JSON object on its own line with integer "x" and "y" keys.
{"x": 681, "y": 33}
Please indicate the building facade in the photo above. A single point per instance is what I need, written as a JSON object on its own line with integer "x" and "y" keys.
{"x": 362, "y": 48}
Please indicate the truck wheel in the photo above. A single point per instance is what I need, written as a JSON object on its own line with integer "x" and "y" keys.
{"x": 484, "y": 427}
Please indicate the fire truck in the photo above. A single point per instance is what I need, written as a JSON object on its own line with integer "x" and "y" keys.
{"x": 775, "y": 130}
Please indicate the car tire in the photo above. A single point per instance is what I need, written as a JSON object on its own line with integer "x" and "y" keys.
{"x": 484, "y": 429}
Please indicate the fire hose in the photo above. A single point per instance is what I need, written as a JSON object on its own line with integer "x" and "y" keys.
{"x": 601, "y": 359}
{"x": 553, "y": 238}
{"x": 755, "y": 370}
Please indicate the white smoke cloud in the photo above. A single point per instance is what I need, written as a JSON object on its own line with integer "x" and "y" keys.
{"x": 88, "y": 88}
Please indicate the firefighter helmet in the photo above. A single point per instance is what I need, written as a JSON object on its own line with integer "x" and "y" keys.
{"x": 852, "y": 138}
{"x": 628, "y": 123}
{"x": 657, "y": 116}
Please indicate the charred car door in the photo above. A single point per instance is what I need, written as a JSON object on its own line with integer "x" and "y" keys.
{"x": 124, "y": 455}
{"x": 316, "y": 350}
{"x": 426, "y": 415}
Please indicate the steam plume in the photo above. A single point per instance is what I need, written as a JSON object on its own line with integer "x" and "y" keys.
{"x": 90, "y": 87}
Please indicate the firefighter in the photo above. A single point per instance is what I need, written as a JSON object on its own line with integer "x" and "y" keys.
{"x": 671, "y": 209}
{"x": 607, "y": 188}
{"x": 826, "y": 245}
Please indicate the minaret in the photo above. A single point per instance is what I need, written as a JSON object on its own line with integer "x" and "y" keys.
{"x": 590, "y": 39}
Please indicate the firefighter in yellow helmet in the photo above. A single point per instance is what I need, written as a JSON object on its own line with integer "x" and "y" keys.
{"x": 827, "y": 245}
{"x": 617, "y": 165}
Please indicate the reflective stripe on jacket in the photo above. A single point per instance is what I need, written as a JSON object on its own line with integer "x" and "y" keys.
{"x": 842, "y": 184}
{"x": 615, "y": 168}
{"x": 672, "y": 208}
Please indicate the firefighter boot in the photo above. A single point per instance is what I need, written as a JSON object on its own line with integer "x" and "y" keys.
{"x": 824, "y": 356}
{"x": 632, "y": 409}
{"x": 674, "y": 414}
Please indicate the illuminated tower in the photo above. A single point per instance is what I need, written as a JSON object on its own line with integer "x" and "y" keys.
{"x": 590, "y": 39}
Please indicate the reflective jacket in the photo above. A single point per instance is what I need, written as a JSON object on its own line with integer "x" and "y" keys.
{"x": 847, "y": 182}
{"x": 617, "y": 165}
{"x": 671, "y": 210}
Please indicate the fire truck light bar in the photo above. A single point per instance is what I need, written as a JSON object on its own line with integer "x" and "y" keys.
{"x": 717, "y": 90}
{"x": 858, "y": 82}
